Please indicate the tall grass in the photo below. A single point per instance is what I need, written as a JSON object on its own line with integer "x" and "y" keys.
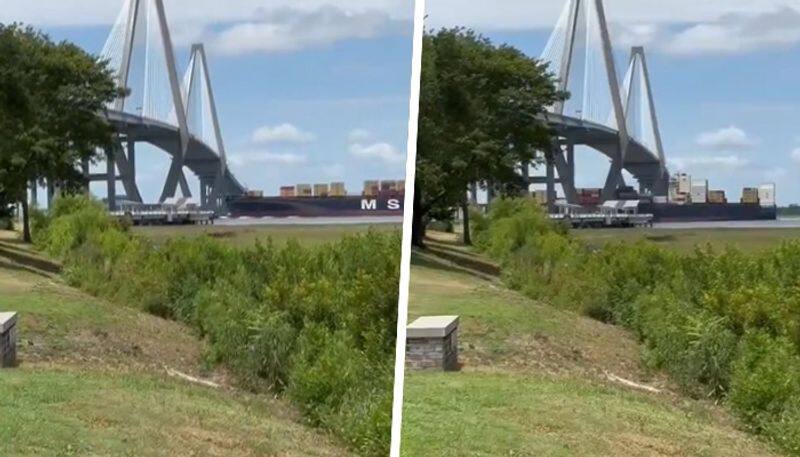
{"x": 724, "y": 324}
{"x": 317, "y": 325}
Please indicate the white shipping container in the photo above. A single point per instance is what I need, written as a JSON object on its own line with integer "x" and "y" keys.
{"x": 700, "y": 191}
{"x": 766, "y": 195}
{"x": 684, "y": 184}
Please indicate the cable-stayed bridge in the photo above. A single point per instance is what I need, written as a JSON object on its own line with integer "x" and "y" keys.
{"x": 615, "y": 117}
{"x": 176, "y": 115}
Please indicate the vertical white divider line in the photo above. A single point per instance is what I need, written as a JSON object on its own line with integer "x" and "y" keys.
{"x": 405, "y": 266}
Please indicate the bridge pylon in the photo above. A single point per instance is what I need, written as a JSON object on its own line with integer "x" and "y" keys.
{"x": 203, "y": 121}
{"x": 617, "y": 120}
{"x": 176, "y": 116}
{"x": 642, "y": 118}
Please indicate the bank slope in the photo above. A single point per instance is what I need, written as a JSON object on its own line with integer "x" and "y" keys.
{"x": 538, "y": 381}
{"x": 93, "y": 380}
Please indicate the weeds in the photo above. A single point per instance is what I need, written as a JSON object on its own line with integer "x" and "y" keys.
{"x": 317, "y": 325}
{"x": 724, "y": 324}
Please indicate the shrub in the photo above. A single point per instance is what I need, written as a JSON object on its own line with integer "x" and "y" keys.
{"x": 71, "y": 222}
{"x": 441, "y": 226}
{"x": 694, "y": 346}
{"x": 766, "y": 377}
{"x": 341, "y": 388}
{"x": 316, "y": 324}
{"x": 39, "y": 222}
{"x": 723, "y": 324}
{"x": 784, "y": 430}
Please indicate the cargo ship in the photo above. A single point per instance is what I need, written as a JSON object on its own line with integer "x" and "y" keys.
{"x": 689, "y": 200}
{"x": 379, "y": 198}
{"x": 708, "y": 212}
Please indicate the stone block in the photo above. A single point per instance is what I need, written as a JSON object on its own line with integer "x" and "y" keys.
{"x": 8, "y": 340}
{"x": 432, "y": 343}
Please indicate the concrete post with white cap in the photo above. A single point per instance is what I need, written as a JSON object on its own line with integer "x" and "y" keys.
{"x": 8, "y": 340}
{"x": 432, "y": 343}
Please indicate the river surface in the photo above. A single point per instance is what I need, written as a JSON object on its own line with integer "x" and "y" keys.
{"x": 783, "y": 223}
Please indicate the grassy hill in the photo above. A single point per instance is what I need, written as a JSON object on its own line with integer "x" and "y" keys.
{"x": 100, "y": 379}
{"x": 539, "y": 381}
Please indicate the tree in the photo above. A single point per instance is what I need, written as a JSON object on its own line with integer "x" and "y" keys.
{"x": 478, "y": 120}
{"x": 51, "y": 98}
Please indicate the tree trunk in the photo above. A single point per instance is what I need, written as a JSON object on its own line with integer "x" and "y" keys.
{"x": 26, "y": 222}
{"x": 467, "y": 237}
{"x": 417, "y": 223}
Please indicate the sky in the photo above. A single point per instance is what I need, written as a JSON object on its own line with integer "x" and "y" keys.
{"x": 724, "y": 73}
{"x": 307, "y": 91}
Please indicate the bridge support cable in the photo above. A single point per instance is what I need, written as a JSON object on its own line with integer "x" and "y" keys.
{"x": 580, "y": 54}
{"x": 176, "y": 116}
{"x": 143, "y": 24}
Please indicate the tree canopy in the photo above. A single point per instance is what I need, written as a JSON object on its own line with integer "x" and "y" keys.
{"x": 50, "y": 97}
{"x": 478, "y": 118}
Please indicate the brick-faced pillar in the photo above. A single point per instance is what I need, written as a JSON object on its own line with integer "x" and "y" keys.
{"x": 8, "y": 340}
{"x": 432, "y": 343}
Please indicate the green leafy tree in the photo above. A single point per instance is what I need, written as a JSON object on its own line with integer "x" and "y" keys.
{"x": 51, "y": 95}
{"x": 478, "y": 120}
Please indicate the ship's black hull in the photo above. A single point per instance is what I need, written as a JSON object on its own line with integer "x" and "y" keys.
{"x": 350, "y": 206}
{"x": 708, "y": 212}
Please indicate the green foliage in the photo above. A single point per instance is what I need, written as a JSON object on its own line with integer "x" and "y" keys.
{"x": 766, "y": 377}
{"x": 478, "y": 118}
{"x": 6, "y": 217}
{"x": 50, "y": 97}
{"x": 73, "y": 220}
{"x": 441, "y": 226}
{"x": 316, "y": 324}
{"x": 725, "y": 324}
{"x": 694, "y": 346}
{"x": 39, "y": 222}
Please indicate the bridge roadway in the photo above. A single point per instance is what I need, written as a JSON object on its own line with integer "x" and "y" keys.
{"x": 200, "y": 158}
{"x": 639, "y": 161}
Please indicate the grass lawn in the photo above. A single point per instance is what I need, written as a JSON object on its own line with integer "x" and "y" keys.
{"x": 247, "y": 235}
{"x": 535, "y": 382}
{"x": 685, "y": 240}
{"x": 93, "y": 380}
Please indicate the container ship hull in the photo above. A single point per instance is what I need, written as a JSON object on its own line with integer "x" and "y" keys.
{"x": 709, "y": 212}
{"x": 347, "y": 206}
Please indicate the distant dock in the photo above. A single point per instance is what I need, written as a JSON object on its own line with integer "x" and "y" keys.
{"x": 164, "y": 215}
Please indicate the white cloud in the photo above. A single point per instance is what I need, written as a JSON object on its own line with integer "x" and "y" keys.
{"x": 730, "y": 162}
{"x": 283, "y": 133}
{"x": 335, "y": 171}
{"x": 362, "y": 144}
{"x": 359, "y": 136}
{"x": 725, "y": 139}
{"x": 525, "y": 14}
{"x": 104, "y": 12}
{"x": 676, "y": 26}
{"x": 290, "y": 29}
{"x": 774, "y": 173}
{"x": 737, "y": 33}
{"x": 382, "y": 151}
{"x": 641, "y": 34}
{"x": 255, "y": 158}
{"x": 796, "y": 156}
{"x": 235, "y": 27}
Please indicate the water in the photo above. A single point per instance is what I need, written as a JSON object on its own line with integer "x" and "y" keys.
{"x": 782, "y": 223}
